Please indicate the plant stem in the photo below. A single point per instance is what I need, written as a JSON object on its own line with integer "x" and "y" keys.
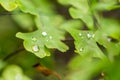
{"x": 13, "y": 53}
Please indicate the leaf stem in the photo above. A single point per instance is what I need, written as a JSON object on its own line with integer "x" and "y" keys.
{"x": 46, "y": 71}
{"x": 13, "y": 53}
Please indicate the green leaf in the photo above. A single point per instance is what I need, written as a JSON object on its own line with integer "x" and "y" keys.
{"x": 9, "y": 5}
{"x": 113, "y": 71}
{"x": 83, "y": 39}
{"x": 108, "y": 36}
{"x": 14, "y": 72}
{"x": 106, "y": 5}
{"x": 79, "y": 69}
{"x": 85, "y": 43}
{"x": 76, "y": 13}
{"x": 40, "y": 41}
{"x": 79, "y": 11}
{"x": 45, "y": 38}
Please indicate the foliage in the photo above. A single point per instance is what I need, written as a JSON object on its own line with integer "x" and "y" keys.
{"x": 16, "y": 73}
{"x": 96, "y": 37}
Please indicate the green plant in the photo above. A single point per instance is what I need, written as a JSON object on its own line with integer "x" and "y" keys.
{"x": 96, "y": 37}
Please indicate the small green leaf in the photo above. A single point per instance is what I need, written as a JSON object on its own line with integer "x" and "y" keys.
{"x": 106, "y": 5}
{"x": 80, "y": 70}
{"x": 113, "y": 71}
{"x": 108, "y": 36}
{"x": 85, "y": 16}
{"x": 79, "y": 11}
{"x": 9, "y": 5}
{"x": 85, "y": 43}
{"x": 39, "y": 42}
{"x": 83, "y": 39}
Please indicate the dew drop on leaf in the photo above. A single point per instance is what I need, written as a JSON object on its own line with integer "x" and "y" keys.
{"x": 49, "y": 38}
{"x": 80, "y": 34}
{"x": 109, "y": 39}
{"x": 44, "y": 33}
{"x": 89, "y": 36}
{"x": 35, "y": 48}
{"x": 81, "y": 49}
{"x": 34, "y": 39}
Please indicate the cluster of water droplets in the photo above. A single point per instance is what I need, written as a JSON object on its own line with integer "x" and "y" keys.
{"x": 49, "y": 38}
{"x": 109, "y": 39}
{"x": 34, "y": 39}
{"x": 88, "y": 35}
{"x": 35, "y": 48}
{"x": 81, "y": 49}
{"x": 44, "y": 34}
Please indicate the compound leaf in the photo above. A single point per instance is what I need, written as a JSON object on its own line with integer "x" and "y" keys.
{"x": 108, "y": 36}
{"x": 79, "y": 11}
{"x": 45, "y": 38}
{"x": 84, "y": 42}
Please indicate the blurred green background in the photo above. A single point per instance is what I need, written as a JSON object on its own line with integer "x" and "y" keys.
{"x": 69, "y": 65}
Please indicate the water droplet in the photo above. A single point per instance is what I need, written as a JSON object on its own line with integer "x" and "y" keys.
{"x": 81, "y": 49}
{"x": 44, "y": 33}
{"x": 80, "y": 34}
{"x": 34, "y": 39}
{"x": 109, "y": 39}
{"x": 35, "y": 48}
{"x": 89, "y": 36}
{"x": 49, "y": 38}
